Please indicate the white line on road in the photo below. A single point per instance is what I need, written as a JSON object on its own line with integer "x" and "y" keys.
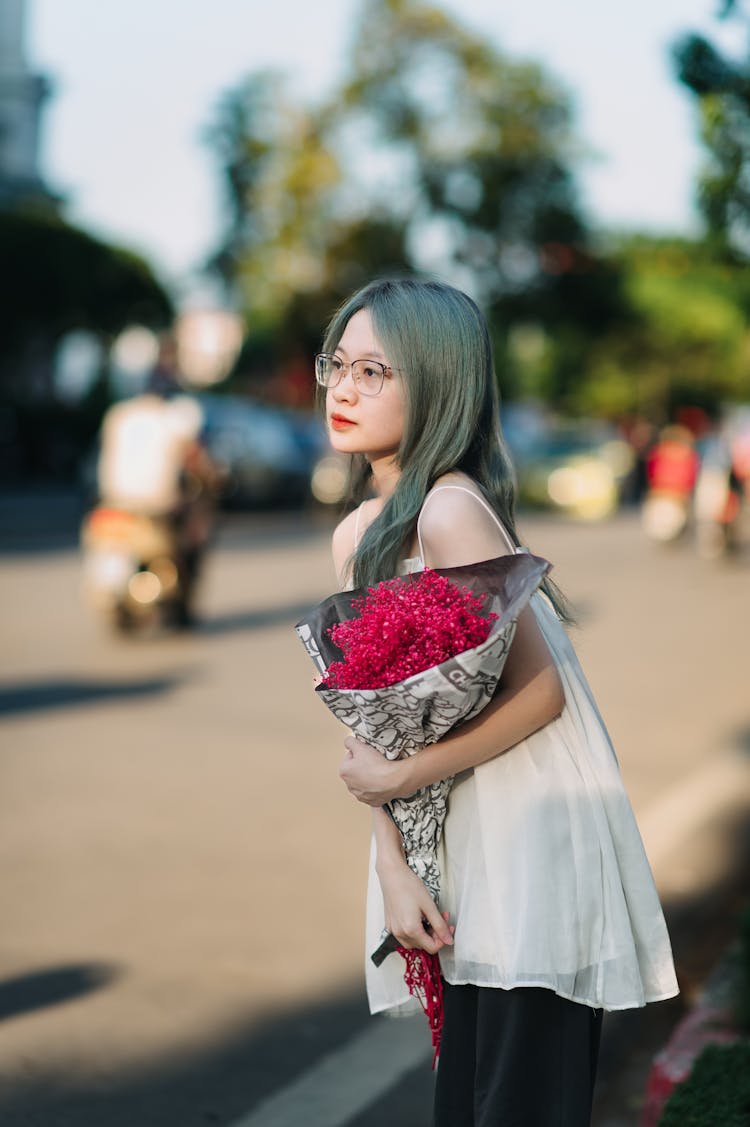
{"x": 348, "y": 1080}
{"x": 719, "y": 784}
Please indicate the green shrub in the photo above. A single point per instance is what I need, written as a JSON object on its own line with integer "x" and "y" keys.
{"x": 717, "y": 1091}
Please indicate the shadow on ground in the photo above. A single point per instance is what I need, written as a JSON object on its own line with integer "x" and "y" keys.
{"x": 216, "y": 1087}
{"x": 38, "y": 990}
{"x": 45, "y": 695}
{"x": 231, "y": 1077}
{"x": 260, "y": 619}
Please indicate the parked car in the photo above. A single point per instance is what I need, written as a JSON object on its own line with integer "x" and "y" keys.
{"x": 266, "y": 453}
{"x": 578, "y": 468}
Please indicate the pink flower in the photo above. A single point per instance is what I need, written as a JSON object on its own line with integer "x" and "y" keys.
{"x": 405, "y": 626}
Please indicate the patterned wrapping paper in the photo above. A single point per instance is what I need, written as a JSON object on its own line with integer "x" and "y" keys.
{"x": 401, "y": 719}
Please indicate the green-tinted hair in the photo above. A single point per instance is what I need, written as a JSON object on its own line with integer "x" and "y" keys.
{"x": 438, "y": 338}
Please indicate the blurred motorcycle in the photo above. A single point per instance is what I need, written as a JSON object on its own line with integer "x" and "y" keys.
{"x": 135, "y": 572}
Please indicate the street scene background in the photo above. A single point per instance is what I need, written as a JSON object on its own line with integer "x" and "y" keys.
{"x": 187, "y": 193}
{"x": 183, "y": 872}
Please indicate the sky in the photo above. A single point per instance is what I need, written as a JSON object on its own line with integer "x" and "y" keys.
{"x": 136, "y": 83}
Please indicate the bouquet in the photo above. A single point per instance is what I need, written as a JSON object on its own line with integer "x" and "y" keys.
{"x": 403, "y": 664}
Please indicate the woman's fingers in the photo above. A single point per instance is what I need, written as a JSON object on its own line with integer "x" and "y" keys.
{"x": 411, "y": 915}
{"x": 366, "y": 774}
{"x": 421, "y": 938}
{"x": 437, "y": 923}
{"x": 431, "y": 933}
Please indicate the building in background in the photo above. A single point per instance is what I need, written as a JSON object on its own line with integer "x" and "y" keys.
{"x": 22, "y": 98}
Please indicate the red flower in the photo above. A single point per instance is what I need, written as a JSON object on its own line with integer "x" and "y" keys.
{"x": 404, "y": 627}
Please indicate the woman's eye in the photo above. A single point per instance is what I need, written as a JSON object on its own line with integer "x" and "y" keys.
{"x": 336, "y": 365}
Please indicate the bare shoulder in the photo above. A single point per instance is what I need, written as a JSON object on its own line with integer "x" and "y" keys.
{"x": 457, "y": 526}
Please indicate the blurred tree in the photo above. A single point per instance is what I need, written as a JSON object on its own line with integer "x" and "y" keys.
{"x": 686, "y": 341}
{"x": 436, "y": 154}
{"x": 470, "y": 149}
{"x": 280, "y": 176}
{"x": 722, "y": 85}
{"x": 60, "y": 278}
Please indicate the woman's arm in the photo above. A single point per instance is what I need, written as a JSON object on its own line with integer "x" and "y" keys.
{"x": 411, "y": 914}
{"x": 529, "y": 695}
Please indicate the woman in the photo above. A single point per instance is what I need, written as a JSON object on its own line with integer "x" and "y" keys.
{"x": 549, "y": 912}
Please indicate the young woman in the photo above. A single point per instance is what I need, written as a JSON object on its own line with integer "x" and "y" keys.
{"x": 548, "y": 911}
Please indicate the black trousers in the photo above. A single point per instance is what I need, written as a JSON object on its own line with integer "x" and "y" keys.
{"x": 515, "y": 1058}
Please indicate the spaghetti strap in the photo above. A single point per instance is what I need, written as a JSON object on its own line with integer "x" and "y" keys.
{"x": 356, "y": 526}
{"x": 482, "y": 502}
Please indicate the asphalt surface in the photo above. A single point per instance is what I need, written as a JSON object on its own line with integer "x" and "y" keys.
{"x": 181, "y": 871}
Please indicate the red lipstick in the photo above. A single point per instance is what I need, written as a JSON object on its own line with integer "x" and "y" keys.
{"x": 340, "y": 422}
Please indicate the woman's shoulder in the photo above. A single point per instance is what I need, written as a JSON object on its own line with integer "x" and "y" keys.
{"x": 458, "y": 526}
{"x": 454, "y": 483}
{"x": 455, "y": 495}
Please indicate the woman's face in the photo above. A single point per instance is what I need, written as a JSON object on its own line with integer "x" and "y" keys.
{"x": 364, "y": 424}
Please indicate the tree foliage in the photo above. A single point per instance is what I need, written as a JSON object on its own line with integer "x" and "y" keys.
{"x": 60, "y": 279}
{"x": 686, "y": 340}
{"x": 280, "y": 177}
{"x": 484, "y": 146}
{"x": 721, "y": 84}
{"x": 64, "y": 279}
{"x": 436, "y": 154}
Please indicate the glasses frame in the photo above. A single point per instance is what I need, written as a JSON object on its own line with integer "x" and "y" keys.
{"x": 347, "y": 369}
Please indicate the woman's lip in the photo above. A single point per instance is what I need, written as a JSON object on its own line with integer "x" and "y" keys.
{"x": 339, "y": 422}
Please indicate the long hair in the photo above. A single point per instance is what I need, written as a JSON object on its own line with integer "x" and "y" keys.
{"x": 439, "y": 339}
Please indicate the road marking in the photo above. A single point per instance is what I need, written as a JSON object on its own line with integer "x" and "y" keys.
{"x": 715, "y": 786}
{"x": 345, "y": 1082}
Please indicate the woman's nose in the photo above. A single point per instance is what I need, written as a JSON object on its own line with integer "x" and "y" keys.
{"x": 345, "y": 389}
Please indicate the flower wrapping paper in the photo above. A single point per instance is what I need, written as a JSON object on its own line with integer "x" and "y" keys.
{"x": 401, "y": 719}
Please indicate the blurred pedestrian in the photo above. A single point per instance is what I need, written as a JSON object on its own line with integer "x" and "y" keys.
{"x": 639, "y": 433}
{"x": 718, "y": 495}
{"x": 738, "y": 433}
{"x": 548, "y": 913}
{"x": 672, "y": 470}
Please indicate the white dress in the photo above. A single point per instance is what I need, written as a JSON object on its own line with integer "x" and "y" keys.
{"x": 543, "y": 870}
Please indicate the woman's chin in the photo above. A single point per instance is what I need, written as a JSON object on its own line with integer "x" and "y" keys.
{"x": 343, "y": 443}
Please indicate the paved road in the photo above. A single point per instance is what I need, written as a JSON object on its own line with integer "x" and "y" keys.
{"x": 181, "y": 890}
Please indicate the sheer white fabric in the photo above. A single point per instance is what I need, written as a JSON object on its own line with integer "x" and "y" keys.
{"x": 543, "y": 870}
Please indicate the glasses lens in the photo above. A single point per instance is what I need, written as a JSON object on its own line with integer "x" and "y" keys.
{"x": 327, "y": 371}
{"x": 369, "y": 376}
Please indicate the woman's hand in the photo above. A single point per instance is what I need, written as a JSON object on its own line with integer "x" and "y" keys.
{"x": 369, "y": 776}
{"x": 411, "y": 914}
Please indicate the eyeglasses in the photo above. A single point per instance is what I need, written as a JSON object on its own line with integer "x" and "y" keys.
{"x": 368, "y": 375}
